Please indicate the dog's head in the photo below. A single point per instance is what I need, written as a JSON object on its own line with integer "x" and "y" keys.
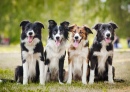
{"x": 58, "y": 33}
{"x": 79, "y": 34}
{"x": 31, "y": 30}
{"x": 105, "y": 31}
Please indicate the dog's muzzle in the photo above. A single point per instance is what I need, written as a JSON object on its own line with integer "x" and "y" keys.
{"x": 107, "y": 37}
{"x": 30, "y": 35}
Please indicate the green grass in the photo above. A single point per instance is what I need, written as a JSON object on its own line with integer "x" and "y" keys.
{"x": 55, "y": 86}
{"x": 10, "y": 48}
{"x": 9, "y": 61}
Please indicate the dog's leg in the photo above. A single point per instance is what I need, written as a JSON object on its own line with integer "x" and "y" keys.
{"x": 41, "y": 68}
{"x": 110, "y": 73}
{"x": 47, "y": 61}
{"x": 92, "y": 69}
{"x": 61, "y": 66}
{"x": 45, "y": 73}
{"x": 84, "y": 76}
{"x": 70, "y": 73}
{"x": 91, "y": 78}
{"x": 25, "y": 73}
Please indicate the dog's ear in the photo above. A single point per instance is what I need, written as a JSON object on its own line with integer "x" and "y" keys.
{"x": 23, "y": 24}
{"x": 97, "y": 26}
{"x": 65, "y": 24}
{"x": 40, "y": 24}
{"x": 113, "y": 25}
{"x": 52, "y": 23}
{"x": 71, "y": 27}
{"x": 88, "y": 30}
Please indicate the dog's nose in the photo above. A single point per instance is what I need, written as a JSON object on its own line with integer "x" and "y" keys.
{"x": 76, "y": 37}
{"x": 30, "y": 33}
{"x": 108, "y": 35}
{"x": 57, "y": 38}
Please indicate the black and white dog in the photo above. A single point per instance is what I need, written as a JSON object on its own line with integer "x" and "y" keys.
{"x": 55, "y": 50}
{"x": 101, "y": 53}
{"x": 31, "y": 53}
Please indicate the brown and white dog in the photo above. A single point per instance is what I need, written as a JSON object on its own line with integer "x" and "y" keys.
{"x": 78, "y": 53}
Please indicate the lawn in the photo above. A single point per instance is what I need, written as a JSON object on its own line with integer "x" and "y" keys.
{"x": 10, "y": 58}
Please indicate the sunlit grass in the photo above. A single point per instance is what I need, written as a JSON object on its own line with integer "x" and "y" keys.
{"x": 121, "y": 63}
{"x": 76, "y": 86}
{"x": 10, "y": 48}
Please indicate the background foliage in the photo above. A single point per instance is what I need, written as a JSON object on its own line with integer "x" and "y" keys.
{"x": 89, "y": 12}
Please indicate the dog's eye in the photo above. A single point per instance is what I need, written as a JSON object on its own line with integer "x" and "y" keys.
{"x": 27, "y": 27}
{"x": 61, "y": 31}
{"x": 35, "y": 28}
{"x": 109, "y": 27}
{"x": 74, "y": 31}
{"x": 103, "y": 28}
{"x": 81, "y": 32}
{"x": 54, "y": 32}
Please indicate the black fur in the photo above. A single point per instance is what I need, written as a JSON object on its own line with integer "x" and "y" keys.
{"x": 53, "y": 30}
{"x": 36, "y": 27}
{"x": 97, "y": 45}
{"x": 61, "y": 67}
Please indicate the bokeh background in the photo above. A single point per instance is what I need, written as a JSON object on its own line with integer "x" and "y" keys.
{"x": 80, "y": 12}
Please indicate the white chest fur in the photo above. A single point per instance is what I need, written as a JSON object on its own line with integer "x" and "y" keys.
{"x": 102, "y": 57}
{"x": 80, "y": 51}
{"x": 32, "y": 45}
{"x": 54, "y": 53}
{"x": 30, "y": 56}
{"x": 78, "y": 56}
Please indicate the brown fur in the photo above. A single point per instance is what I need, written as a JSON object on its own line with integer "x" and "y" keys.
{"x": 82, "y": 31}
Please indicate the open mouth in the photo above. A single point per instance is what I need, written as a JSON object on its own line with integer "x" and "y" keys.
{"x": 107, "y": 40}
{"x": 58, "y": 42}
{"x": 76, "y": 43}
{"x": 30, "y": 39}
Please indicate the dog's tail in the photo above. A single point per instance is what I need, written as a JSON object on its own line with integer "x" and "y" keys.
{"x": 7, "y": 80}
{"x": 18, "y": 76}
{"x": 119, "y": 80}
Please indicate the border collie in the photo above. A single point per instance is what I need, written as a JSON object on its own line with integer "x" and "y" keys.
{"x": 101, "y": 53}
{"x": 31, "y": 53}
{"x": 78, "y": 54}
{"x": 55, "y": 50}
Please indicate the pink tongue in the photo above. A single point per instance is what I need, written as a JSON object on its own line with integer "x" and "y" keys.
{"x": 108, "y": 40}
{"x": 30, "y": 38}
{"x": 57, "y": 43}
{"x": 76, "y": 43}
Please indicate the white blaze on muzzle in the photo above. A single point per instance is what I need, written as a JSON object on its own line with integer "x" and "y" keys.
{"x": 77, "y": 39}
{"x": 30, "y": 35}
{"x": 59, "y": 36}
{"x": 107, "y": 36}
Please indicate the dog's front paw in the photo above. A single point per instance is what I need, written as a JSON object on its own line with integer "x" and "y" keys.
{"x": 25, "y": 83}
{"x": 97, "y": 53}
{"x": 111, "y": 82}
{"x": 61, "y": 83}
{"x": 84, "y": 80}
{"x": 85, "y": 83}
{"x": 68, "y": 82}
{"x": 90, "y": 83}
{"x": 42, "y": 83}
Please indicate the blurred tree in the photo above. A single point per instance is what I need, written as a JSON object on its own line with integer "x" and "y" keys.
{"x": 89, "y": 12}
{"x": 119, "y": 13}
